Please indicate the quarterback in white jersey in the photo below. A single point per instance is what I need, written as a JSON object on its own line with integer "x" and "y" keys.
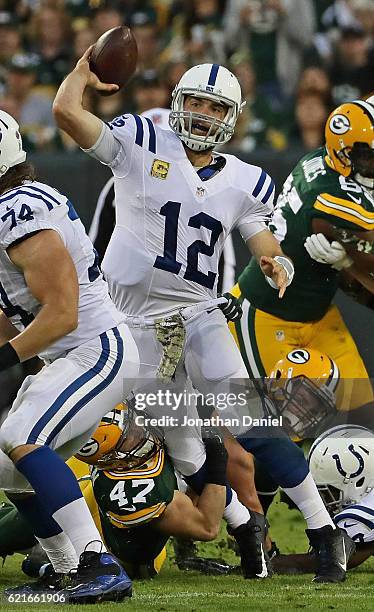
{"x": 176, "y": 202}
{"x": 55, "y": 304}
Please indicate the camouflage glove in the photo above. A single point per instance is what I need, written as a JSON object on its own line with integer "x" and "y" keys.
{"x": 232, "y": 310}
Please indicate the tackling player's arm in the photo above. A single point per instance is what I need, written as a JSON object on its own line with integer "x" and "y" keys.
{"x": 51, "y": 276}
{"x": 84, "y": 127}
{"x": 201, "y": 522}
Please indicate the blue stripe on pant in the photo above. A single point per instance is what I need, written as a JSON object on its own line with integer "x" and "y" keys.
{"x": 77, "y": 384}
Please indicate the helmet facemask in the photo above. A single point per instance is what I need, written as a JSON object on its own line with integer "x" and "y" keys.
{"x": 182, "y": 121}
{"x": 303, "y": 405}
{"x": 332, "y": 497}
{"x": 362, "y": 161}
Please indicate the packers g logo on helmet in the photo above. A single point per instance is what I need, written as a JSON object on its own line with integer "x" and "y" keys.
{"x": 104, "y": 439}
{"x": 339, "y": 124}
{"x": 298, "y": 356}
{"x": 89, "y": 449}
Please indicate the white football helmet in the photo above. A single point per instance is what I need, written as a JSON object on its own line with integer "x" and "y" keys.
{"x": 11, "y": 152}
{"x": 216, "y": 83}
{"x": 341, "y": 462}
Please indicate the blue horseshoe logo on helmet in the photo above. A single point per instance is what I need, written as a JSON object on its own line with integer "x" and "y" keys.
{"x": 359, "y": 458}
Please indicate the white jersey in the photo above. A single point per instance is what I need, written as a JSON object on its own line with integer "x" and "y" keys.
{"x": 158, "y": 116}
{"x": 31, "y": 207}
{"x": 170, "y": 224}
{"x": 358, "y": 520}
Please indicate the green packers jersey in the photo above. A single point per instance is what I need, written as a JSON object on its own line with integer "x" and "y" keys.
{"x": 313, "y": 190}
{"x": 129, "y": 501}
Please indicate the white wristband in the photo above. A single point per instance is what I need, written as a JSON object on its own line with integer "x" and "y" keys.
{"x": 287, "y": 265}
{"x": 271, "y": 282}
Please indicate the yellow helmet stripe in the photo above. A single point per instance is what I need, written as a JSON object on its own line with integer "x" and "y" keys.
{"x": 345, "y": 210}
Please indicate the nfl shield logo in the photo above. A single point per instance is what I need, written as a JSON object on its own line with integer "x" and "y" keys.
{"x": 279, "y": 335}
{"x": 200, "y": 192}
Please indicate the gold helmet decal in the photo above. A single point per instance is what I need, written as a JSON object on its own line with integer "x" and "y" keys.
{"x": 349, "y": 133}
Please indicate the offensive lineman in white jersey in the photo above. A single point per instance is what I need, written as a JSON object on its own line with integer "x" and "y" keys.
{"x": 55, "y": 304}
{"x": 176, "y": 202}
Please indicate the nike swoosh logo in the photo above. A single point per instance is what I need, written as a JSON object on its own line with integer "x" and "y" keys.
{"x": 264, "y": 572}
{"x": 357, "y": 200}
{"x": 346, "y": 525}
{"x": 129, "y": 508}
{"x": 343, "y": 565}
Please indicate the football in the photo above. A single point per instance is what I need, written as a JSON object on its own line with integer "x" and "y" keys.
{"x": 114, "y": 56}
{"x": 359, "y": 245}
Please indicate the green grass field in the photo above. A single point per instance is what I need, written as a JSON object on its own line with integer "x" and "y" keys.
{"x": 193, "y": 592}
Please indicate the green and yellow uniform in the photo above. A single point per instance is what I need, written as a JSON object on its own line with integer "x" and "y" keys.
{"x": 128, "y": 502}
{"x": 304, "y": 317}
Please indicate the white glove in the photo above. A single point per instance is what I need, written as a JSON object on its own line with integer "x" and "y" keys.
{"x": 321, "y": 250}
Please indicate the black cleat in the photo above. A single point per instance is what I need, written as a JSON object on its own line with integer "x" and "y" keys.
{"x": 251, "y": 541}
{"x": 99, "y": 577}
{"x": 207, "y": 566}
{"x": 184, "y": 548}
{"x": 50, "y": 582}
{"x": 333, "y": 549}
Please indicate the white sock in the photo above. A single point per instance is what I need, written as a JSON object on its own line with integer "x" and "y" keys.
{"x": 308, "y": 500}
{"x": 235, "y": 513}
{"x": 60, "y": 551}
{"x": 76, "y": 521}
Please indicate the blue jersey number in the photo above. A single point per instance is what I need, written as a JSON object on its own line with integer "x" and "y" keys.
{"x": 11, "y": 311}
{"x": 25, "y": 214}
{"x": 168, "y": 261}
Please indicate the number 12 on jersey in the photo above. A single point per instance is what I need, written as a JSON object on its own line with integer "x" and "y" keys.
{"x": 168, "y": 261}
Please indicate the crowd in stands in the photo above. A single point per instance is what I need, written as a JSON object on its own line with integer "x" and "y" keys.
{"x": 295, "y": 60}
